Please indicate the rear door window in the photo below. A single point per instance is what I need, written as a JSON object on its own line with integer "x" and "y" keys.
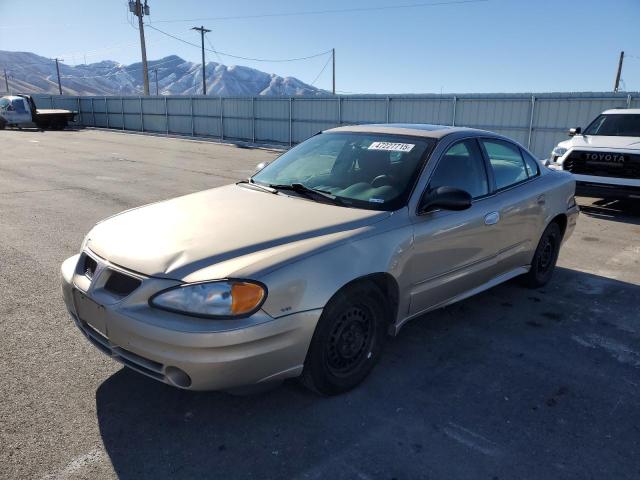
{"x": 506, "y": 162}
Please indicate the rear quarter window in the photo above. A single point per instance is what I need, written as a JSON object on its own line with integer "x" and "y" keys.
{"x": 533, "y": 169}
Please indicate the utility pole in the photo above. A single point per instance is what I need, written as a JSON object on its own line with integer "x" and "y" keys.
{"x": 617, "y": 84}
{"x": 58, "y": 72}
{"x": 6, "y": 80}
{"x": 202, "y": 31}
{"x": 155, "y": 71}
{"x": 333, "y": 51}
{"x": 139, "y": 10}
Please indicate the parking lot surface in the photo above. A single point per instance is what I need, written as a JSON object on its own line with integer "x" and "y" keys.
{"x": 512, "y": 383}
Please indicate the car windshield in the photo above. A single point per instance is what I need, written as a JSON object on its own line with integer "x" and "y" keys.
{"x": 615, "y": 124}
{"x": 362, "y": 170}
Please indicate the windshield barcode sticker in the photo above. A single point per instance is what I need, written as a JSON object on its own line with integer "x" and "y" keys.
{"x": 392, "y": 147}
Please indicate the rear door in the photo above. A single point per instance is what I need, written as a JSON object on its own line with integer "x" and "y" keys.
{"x": 455, "y": 251}
{"x": 520, "y": 202}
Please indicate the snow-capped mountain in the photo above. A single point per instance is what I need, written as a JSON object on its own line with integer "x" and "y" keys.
{"x": 31, "y": 73}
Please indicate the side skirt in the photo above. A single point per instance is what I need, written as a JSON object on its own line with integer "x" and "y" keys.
{"x": 469, "y": 293}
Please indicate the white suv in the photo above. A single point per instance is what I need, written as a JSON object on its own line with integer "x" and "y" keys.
{"x": 605, "y": 157}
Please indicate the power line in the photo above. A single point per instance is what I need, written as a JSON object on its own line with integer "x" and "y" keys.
{"x": 238, "y": 56}
{"x": 321, "y": 71}
{"x": 329, "y": 11}
{"x": 213, "y": 48}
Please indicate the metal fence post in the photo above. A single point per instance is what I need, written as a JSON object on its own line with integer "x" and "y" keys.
{"x": 51, "y": 100}
{"x": 81, "y": 121}
{"x": 122, "y": 110}
{"x": 193, "y": 128}
{"x": 339, "y": 111}
{"x": 166, "y": 114}
{"x": 221, "y": 120}
{"x": 388, "y": 105}
{"x": 253, "y": 119}
{"x": 93, "y": 112}
{"x": 141, "y": 116}
{"x": 629, "y": 101}
{"x": 453, "y": 120}
{"x": 533, "y": 106}
{"x": 106, "y": 110}
{"x": 290, "y": 120}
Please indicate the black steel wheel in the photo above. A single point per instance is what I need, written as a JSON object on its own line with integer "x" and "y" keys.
{"x": 545, "y": 257}
{"x": 348, "y": 340}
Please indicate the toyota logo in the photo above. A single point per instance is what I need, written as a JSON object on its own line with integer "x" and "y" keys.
{"x": 605, "y": 157}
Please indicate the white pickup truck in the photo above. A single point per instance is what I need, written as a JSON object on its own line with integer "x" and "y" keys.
{"x": 21, "y": 111}
{"x": 604, "y": 157}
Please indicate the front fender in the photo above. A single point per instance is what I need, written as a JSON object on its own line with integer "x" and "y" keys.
{"x": 310, "y": 283}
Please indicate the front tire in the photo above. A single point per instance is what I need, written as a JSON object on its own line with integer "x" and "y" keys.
{"x": 347, "y": 342}
{"x": 545, "y": 257}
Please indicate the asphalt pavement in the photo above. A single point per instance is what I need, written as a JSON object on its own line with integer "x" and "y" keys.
{"x": 511, "y": 383}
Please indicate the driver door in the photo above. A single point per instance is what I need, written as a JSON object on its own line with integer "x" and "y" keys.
{"x": 455, "y": 251}
{"x": 16, "y": 112}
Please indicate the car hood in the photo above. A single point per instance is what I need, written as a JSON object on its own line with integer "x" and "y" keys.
{"x": 174, "y": 238}
{"x": 602, "y": 141}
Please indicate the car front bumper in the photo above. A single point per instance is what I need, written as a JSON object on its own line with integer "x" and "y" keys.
{"x": 186, "y": 352}
{"x": 586, "y": 187}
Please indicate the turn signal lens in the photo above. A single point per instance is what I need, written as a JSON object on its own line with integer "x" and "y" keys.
{"x": 245, "y": 297}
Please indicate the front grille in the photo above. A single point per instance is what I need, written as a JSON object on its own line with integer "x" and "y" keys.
{"x": 89, "y": 266}
{"x": 121, "y": 284}
{"x": 603, "y": 164}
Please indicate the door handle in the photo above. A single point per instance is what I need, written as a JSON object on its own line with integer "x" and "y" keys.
{"x": 491, "y": 218}
{"x": 542, "y": 200}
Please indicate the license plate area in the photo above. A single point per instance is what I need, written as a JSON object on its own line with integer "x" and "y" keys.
{"x": 90, "y": 312}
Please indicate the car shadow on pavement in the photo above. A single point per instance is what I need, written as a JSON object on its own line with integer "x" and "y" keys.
{"x": 504, "y": 385}
{"x": 617, "y": 210}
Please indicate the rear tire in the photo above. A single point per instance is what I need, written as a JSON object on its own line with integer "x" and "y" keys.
{"x": 347, "y": 342}
{"x": 545, "y": 257}
{"x": 3, "y": 124}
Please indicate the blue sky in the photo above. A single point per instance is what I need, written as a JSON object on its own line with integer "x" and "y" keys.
{"x": 488, "y": 46}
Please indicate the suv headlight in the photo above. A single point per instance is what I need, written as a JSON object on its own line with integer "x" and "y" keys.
{"x": 557, "y": 153}
{"x": 218, "y": 299}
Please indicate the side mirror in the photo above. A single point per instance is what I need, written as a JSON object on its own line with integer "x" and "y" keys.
{"x": 575, "y": 131}
{"x": 446, "y": 198}
{"x": 260, "y": 166}
{"x": 11, "y": 108}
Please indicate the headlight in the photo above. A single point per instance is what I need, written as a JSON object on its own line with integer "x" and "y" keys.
{"x": 219, "y": 299}
{"x": 85, "y": 241}
{"x": 557, "y": 152}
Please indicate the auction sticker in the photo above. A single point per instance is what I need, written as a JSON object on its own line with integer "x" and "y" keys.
{"x": 392, "y": 147}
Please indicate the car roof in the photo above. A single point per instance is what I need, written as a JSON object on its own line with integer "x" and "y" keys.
{"x": 413, "y": 129}
{"x": 626, "y": 111}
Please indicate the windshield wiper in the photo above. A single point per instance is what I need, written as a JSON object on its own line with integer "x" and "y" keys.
{"x": 308, "y": 191}
{"x": 258, "y": 186}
